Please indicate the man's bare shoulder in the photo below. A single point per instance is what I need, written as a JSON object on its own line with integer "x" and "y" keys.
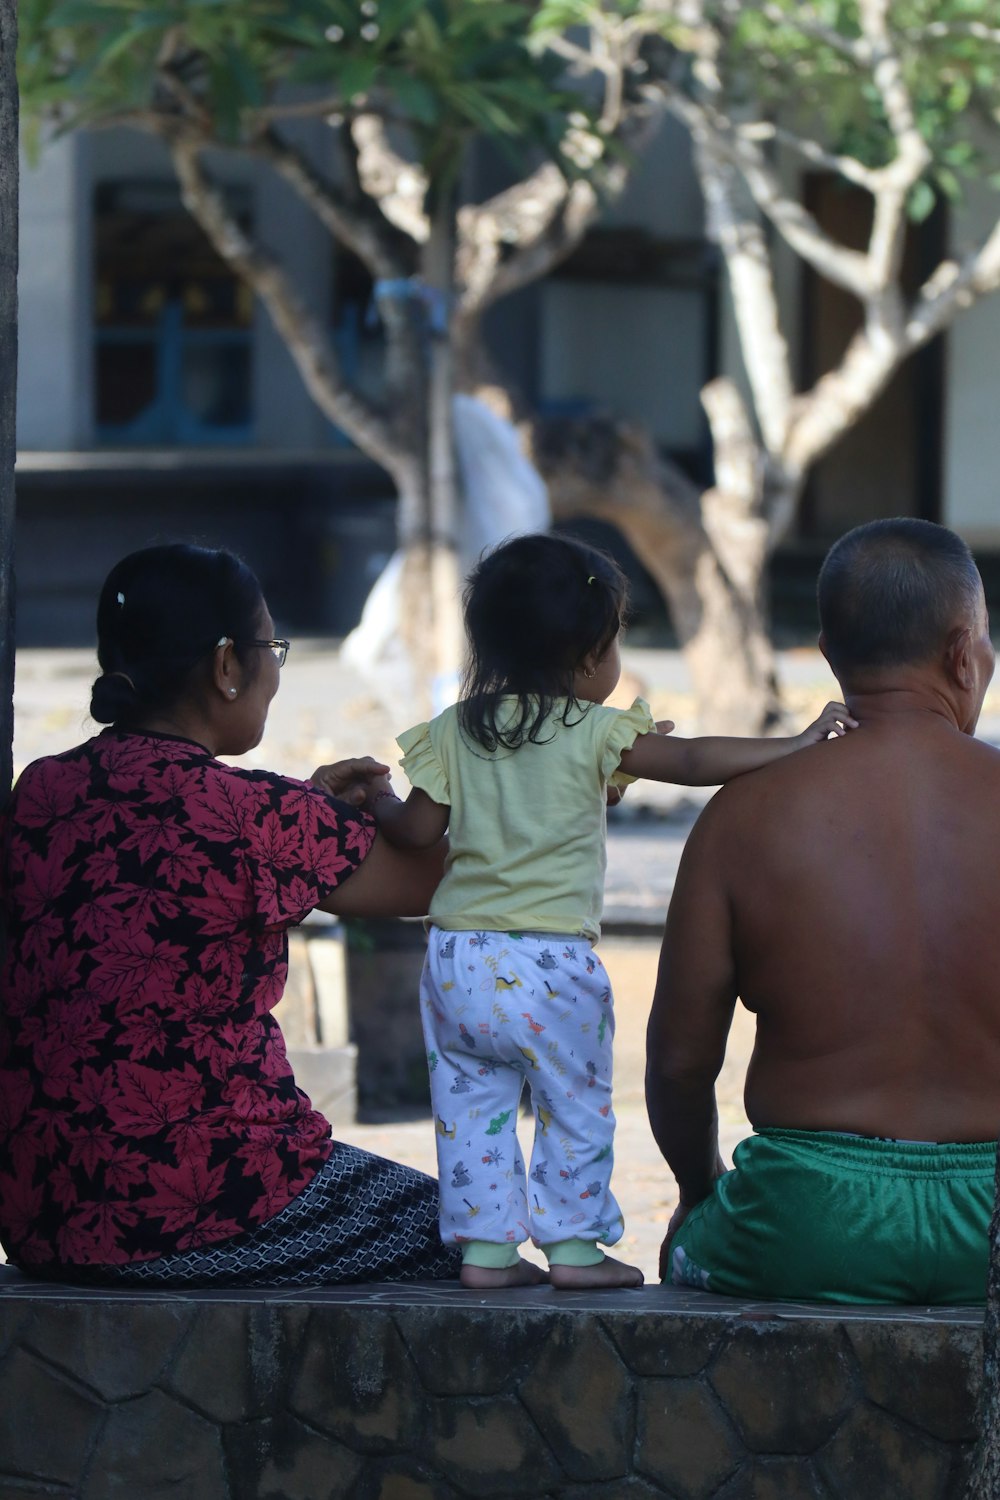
{"x": 839, "y": 771}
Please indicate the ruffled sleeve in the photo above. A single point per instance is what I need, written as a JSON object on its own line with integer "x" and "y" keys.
{"x": 624, "y": 729}
{"x": 422, "y": 764}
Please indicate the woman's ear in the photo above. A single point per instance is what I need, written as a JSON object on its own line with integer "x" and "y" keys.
{"x": 226, "y": 675}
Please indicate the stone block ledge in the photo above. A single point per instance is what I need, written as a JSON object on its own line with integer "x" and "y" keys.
{"x": 429, "y": 1392}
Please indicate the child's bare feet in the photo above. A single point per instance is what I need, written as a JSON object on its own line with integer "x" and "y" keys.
{"x": 521, "y": 1273}
{"x": 606, "y": 1273}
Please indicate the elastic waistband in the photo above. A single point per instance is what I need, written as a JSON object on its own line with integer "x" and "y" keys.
{"x": 878, "y": 1154}
{"x": 516, "y": 934}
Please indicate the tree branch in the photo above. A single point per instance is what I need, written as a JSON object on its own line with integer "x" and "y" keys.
{"x": 522, "y": 233}
{"x": 397, "y": 185}
{"x": 845, "y": 268}
{"x": 807, "y": 22}
{"x": 816, "y": 155}
{"x": 941, "y": 30}
{"x": 738, "y": 234}
{"x": 540, "y": 220}
{"x": 354, "y": 220}
{"x": 953, "y": 287}
{"x": 306, "y": 341}
{"x": 894, "y": 181}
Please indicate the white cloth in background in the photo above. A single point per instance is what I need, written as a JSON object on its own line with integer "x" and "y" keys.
{"x": 501, "y": 495}
{"x": 504, "y": 495}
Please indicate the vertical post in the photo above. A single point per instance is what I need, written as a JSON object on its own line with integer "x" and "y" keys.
{"x": 8, "y": 375}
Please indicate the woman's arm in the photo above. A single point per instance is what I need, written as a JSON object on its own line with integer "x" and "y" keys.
{"x": 714, "y": 759}
{"x": 389, "y": 882}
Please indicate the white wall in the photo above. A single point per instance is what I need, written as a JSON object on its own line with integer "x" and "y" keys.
{"x": 55, "y": 384}
{"x": 54, "y": 345}
{"x": 971, "y": 469}
{"x": 637, "y": 352}
{"x": 637, "y": 355}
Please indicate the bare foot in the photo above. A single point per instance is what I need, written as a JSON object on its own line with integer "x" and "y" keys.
{"x": 489, "y": 1278}
{"x": 606, "y": 1273}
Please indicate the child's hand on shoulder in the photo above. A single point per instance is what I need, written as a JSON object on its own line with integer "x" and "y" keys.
{"x": 835, "y": 720}
{"x": 350, "y": 780}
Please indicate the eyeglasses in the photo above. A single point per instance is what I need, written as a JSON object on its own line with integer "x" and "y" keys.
{"x": 280, "y": 649}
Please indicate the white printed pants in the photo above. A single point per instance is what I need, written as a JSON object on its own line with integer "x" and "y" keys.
{"x": 498, "y": 1009}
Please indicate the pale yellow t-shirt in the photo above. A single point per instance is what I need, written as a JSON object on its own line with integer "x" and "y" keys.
{"x": 527, "y": 826}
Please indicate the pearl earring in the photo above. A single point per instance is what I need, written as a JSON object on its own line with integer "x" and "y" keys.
{"x": 232, "y": 692}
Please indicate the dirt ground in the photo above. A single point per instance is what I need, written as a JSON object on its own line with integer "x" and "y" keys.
{"x": 642, "y": 1181}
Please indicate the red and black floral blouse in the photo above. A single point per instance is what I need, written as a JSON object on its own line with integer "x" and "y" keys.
{"x": 146, "y": 1102}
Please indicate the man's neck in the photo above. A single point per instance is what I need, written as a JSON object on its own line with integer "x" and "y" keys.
{"x": 906, "y": 703}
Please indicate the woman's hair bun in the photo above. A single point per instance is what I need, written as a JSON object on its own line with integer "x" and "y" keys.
{"x": 112, "y": 696}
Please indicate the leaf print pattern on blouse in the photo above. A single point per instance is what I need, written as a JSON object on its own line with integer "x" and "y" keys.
{"x": 146, "y": 1101}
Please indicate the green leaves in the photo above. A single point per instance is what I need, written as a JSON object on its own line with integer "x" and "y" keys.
{"x": 809, "y": 66}
{"x": 444, "y": 70}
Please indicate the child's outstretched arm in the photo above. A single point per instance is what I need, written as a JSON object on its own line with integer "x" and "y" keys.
{"x": 713, "y": 759}
{"x": 417, "y": 823}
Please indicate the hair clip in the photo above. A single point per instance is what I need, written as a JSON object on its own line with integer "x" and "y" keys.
{"x": 120, "y": 598}
{"x": 591, "y": 579}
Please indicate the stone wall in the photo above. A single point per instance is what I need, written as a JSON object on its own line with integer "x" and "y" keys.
{"x": 431, "y": 1393}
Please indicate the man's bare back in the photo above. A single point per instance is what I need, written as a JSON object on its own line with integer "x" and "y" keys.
{"x": 849, "y": 895}
{"x": 863, "y": 878}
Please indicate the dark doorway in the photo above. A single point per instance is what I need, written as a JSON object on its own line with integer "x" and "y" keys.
{"x": 890, "y": 463}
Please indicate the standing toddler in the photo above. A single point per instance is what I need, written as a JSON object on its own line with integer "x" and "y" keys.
{"x": 513, "y": 992}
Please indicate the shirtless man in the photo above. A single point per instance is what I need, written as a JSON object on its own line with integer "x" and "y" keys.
{"x": 850, "y": 896}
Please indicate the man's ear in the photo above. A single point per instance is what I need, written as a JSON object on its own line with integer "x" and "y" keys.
{"x": 958, "y": 662}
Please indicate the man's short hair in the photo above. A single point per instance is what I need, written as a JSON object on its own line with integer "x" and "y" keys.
{"x": 890, "y": 591}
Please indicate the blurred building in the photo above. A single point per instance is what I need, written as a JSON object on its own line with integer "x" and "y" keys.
{"x": 156, "y": 400}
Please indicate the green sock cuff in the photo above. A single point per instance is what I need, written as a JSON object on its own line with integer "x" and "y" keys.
{"x": 490, "y": 1256}
{"x": 574, "y": 1253}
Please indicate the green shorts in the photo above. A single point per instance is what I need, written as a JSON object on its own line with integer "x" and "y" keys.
{"x": 826, "y": 1217}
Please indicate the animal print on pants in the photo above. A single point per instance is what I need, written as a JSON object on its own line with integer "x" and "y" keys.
{"x": 499, "y": 1009}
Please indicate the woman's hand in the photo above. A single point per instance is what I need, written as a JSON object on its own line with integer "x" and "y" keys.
{"x": 350, "y": 780}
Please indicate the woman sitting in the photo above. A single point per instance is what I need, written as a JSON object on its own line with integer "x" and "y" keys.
{"x": 151, "y": 1132}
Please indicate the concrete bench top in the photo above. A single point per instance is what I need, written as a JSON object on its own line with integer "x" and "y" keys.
{"x": 663, "y": 1301}
{"x": 428, "y": 1392}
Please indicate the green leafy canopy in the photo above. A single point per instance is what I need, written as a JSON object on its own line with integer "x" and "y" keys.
{"x": 443, "y": 69}
{"x": 796, "y": 63}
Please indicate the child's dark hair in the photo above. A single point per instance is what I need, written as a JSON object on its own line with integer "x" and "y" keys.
{"x": 535, "y": 607}
{"x": 161, "y": 612}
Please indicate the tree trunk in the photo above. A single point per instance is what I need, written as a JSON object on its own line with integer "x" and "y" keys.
{"x": 706, "y": 555}
{"x": 8, "y": 376}
{"x": 434, "y": 565}
{"x": 721, "y": 628}
{"x": 411, "y": 627}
